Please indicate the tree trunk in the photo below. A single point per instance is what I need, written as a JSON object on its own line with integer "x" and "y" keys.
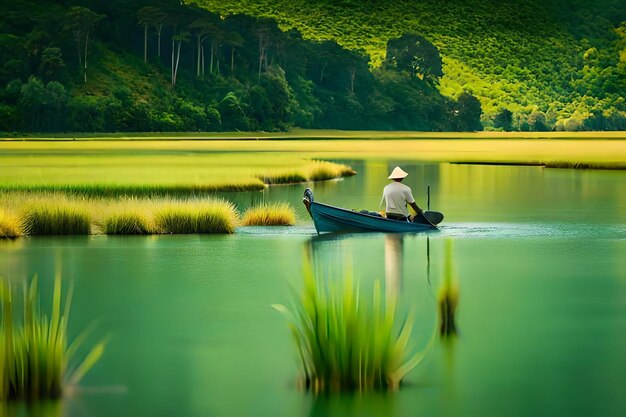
{"x": 173, "y": 61}
{"x": 80, "y": 57}
{"x": 86, "y": 46}
{"x": 159, "y": 40}
{"x": 177, "y": 61}
{"x": 261, "y": 59}
{"x": 145, "y": 42}
{"x": 199, "y": 57}
{"x": 232, "y": 60}
{"x": 322, "y": 74}
{"x": 202, "y": 60}
{"x": 212, "y": 53}
{"x": 352, "y": 78}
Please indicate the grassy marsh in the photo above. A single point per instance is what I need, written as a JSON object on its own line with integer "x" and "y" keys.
{"x": 348, "y": 338}
{"x": 37, "y": 361}
{"x": 110, "y": 166}
{"x": 90, "y": 169}
{"x": 279, "y": 214}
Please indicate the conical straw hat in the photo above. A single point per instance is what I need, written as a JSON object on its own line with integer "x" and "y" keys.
{"x": 397, "y": 173}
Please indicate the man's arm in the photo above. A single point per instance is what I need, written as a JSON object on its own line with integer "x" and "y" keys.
{"x": 415, "y": 207}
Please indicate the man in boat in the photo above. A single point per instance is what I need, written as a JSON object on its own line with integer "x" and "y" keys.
{"x": 396, "y": 196}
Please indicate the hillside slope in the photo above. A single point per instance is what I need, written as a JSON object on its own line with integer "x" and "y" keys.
{"x": 563, "y": 58}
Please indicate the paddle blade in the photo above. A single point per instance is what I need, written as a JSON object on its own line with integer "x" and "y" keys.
{"x": 434, "y": 217}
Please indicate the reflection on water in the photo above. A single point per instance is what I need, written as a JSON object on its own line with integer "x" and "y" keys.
{"x": 377, "y": 404}
{"x": 393, "y": 264}
{"x": 448, "y": 298}
{"x": 35, "y": 409}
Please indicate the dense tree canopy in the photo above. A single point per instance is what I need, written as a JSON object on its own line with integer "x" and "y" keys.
{"x": 140, "y": 65}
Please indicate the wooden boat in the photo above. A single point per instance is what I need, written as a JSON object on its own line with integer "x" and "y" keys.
{"x": 327, "y": 218}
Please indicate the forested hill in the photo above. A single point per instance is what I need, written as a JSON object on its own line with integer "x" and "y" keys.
{"x": 563, "y": 60}
{"x": 161, "y": 65}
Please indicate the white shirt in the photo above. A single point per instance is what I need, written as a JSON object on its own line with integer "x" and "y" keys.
{"x": 396, "y": 196}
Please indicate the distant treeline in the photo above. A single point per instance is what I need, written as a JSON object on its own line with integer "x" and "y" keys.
{"x": 114, "y": 65}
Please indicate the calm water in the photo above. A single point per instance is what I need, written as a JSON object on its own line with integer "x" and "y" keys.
{"x": 540, "y": 258}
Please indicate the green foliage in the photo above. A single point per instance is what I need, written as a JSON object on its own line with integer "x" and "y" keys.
{"x": 348, "y": 338}
{"x": 522, "y": 55}
{"x": 36, "y": 358}
{"x": 415, "y": 55}
{"x": 172, "y": 67}
{"x": 466, "y": 113}
{"x": 503, "y": 120}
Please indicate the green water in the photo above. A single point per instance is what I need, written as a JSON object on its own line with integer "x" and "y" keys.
{"x": 540, "y": 258}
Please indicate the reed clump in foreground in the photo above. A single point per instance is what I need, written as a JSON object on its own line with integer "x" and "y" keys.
{"x": 10, "y": 225}
{"x": 37, "y": 362}
{"x": 348, "y": 339}
{"x": 56, "y": 217}
{"x": 277, "y": 214}
{"x": 217, "y": 216}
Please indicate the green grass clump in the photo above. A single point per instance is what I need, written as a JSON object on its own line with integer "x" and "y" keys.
{"x": 348, "y": 339}
{"x": 126, "y": 223}
{"x": 57, "y": 218}
{"x": 183, "y": 218}
{"x": 10, "y": 225}
{"x": 322, "y": 170}
{"x": 216, "y": 217}
{"x": 279, "y": 214}
{"x": 35, "y": 354}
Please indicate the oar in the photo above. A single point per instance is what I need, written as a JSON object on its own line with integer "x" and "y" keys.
{"x": 434, "y": 217}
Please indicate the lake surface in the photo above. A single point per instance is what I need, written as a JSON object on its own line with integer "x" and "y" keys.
{"x": 539, "y": 256}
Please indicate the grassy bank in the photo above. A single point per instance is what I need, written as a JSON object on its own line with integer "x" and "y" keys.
{"x": 151, "y": 168}
{"x": 308, "y": 134}
{"x": 61, "y": 214}
{"x": 184, "y": 167}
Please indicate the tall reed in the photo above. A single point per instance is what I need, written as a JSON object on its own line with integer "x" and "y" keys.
{"x": 36, "y": 360}
{"x": 60, "y": 217}
{"x": 347, "y": 338}
{"x": 10, "y": 225}
{"x": 277, "y": 214}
